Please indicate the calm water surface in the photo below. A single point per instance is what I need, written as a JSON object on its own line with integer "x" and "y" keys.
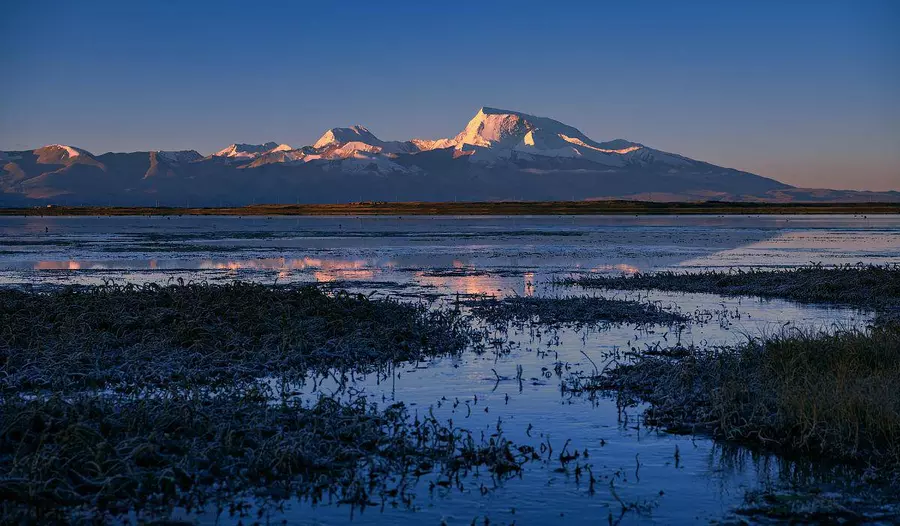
{"x": 475, "y": 255}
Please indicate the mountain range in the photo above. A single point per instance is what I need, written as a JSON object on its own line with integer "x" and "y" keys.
{"x": 500, "y": 155}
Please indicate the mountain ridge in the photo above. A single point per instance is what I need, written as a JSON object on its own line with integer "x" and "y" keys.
{"x": 498, "y": 155}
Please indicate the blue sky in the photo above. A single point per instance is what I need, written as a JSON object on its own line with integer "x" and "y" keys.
{"x": 803, "y": 91}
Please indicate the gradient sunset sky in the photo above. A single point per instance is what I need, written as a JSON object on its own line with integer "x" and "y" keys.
{"x": 807, "y": 92}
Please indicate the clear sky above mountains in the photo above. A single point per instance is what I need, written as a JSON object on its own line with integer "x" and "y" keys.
{"x": 806, "y": 92}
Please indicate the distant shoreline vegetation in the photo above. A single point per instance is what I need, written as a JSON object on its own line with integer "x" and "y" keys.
{"x": 379, "y": 208}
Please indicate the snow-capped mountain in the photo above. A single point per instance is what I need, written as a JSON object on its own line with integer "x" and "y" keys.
{"x": 60, "y": 154}
{"x": 240, "y": 151}
{"x": 493, "y": 130}
{"x": 499, "y": 154}
{"x": 492, "y": 135}
{"x": 353, "y": 149}
{"x": 344, "y": 135}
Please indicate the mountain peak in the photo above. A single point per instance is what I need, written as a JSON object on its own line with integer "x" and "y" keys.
{"x": 491, "y": 126}
{"x": 241, "y": 150}
{"x": 487, "y": 110}
{"x": 65, "y": 151}
{"x": 495, "y": 128}
{"x": 62, "y": 154}
{"x": 355, "y": 133}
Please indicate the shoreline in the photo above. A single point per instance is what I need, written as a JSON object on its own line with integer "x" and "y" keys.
{"x": 499, "y": 208}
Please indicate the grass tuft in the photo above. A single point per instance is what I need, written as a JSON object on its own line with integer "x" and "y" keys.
{"x": 574, "y": 310}
{"x": 833, "y": 395}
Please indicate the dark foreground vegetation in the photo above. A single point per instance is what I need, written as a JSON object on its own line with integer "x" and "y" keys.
{"x": 478, "y": 208}
{"x": 832, "y": 395}
{"x": 91, "y": 337}
{"x": 138, "y": 399}
{"x": 827, "y": 394}
{"x": 575, "y": 311}
{"x": 62, "y": 456}
{"x": 867, "y": 286}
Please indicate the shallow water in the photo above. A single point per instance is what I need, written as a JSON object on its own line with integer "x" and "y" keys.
{"x": 491, "y": 255}
{"x": 446, "y": 256}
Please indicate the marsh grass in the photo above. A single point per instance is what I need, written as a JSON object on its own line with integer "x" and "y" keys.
{"x": 101, "y": 457}
{"x": 120, "y": 399}
{"x": 576, "y": 311}
{"x": 833, "y": 395}
{"x": 870, "y": 286}
{"x": 92, "y": 337}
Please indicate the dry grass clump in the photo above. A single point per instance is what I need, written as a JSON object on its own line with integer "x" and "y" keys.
{"x": 861, "y": 285}
{"x": 100, "y": 457}
{"x": 572, "y": 310}
{"x": 202, "y": 334}
{"x": 824, "y": 394}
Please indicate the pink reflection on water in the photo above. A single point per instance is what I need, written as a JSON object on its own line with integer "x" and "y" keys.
{"x": 57, "y": 265}
{"x": 468, "y": 284}
{"x": 326, "y": 276}
{"x": 285, "y": 264}
{"x": 324, "y": 270}
{"x": 621, "y": 267}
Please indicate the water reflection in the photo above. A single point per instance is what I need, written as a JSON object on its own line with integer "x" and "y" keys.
{"x": 492, "y": 255}
{"x": 621, "y": 268}
{"x": 475, "y": 284}
{"x": 462, "y": 278}
{"x": 323, "y": 270}
{"x": 285, "y": 264}
{"x": 57, "y": 265}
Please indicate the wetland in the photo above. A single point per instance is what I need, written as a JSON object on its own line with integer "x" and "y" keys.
{"x": 449, "y": 370}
